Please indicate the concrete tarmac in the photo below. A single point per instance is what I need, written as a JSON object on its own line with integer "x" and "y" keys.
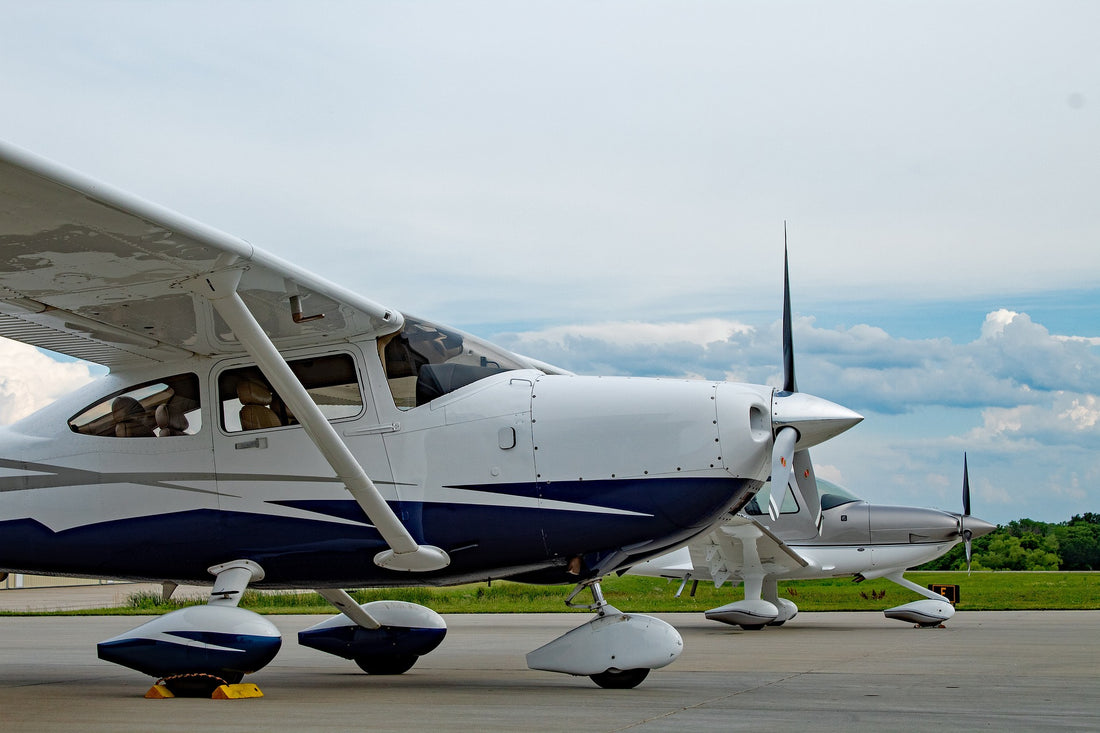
{"x": 820, "y": 672}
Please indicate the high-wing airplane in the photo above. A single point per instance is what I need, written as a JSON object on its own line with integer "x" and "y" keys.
{"x": 263, "y": 427}
{"x": 856, "y": 538}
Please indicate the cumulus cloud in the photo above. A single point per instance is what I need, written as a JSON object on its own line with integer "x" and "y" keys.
{"x": 702, "y": 333}
{"x": 1083, "y": 413}
{"x": 1014, "y": 347}
{"x": 1014, "y": 361}
{"x": 29, "y": 379}
{"x": 1062, "y": 419}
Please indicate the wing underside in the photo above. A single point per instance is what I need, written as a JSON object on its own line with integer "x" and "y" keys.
{"x": 97, "y": 274}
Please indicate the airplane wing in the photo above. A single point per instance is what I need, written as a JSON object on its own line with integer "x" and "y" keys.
{"x": 89, "y": 271}
{"x": 737, "y": 545}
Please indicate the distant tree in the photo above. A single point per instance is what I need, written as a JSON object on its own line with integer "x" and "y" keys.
{"x": 1009, "y": 552}
{"x": 1026, "y": 544}
{"x": 1079, "y": 540}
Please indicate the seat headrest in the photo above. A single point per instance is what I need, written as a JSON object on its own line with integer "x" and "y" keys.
{"x": 125, "y": 406}
{"x": 253, "y": 393}
{"x": 170, "y": 417}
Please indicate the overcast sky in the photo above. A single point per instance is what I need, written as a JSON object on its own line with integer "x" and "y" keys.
{"x": 603, "y": 185}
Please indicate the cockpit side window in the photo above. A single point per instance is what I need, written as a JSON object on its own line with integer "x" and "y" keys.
{"x": 758, "y": 505}
{"x": 249, "y": 403}
{"x": 161, "y": 409}
{"x": 424, "y": 361}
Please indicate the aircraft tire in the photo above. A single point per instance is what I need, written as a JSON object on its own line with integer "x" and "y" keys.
{"x": 753, "y": 627}
{"x": 389, "y": 664}
{"x": 623, "y": 680}
{"x": 200, "y": 684}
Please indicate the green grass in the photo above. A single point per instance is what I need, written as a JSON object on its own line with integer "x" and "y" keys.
{"x": 980, "y": 591}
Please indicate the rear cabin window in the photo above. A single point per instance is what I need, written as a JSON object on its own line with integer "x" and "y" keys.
{"x": 248, "y": 402}
{"x": 161, "y": 409}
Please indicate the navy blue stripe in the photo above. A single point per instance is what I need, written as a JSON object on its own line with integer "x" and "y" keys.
{"x": 484, "y": 541}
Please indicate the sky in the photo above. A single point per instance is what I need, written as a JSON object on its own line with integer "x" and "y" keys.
{"x": 603, "y": 185}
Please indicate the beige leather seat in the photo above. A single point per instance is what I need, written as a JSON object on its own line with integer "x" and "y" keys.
{"x": 256, "y": 412}
{"x": 170, "y": 420}
{"x": 131, "y": 419}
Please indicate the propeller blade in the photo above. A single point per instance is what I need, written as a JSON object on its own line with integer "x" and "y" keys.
{"x": 782, "y": 465}
{"x": 804, "y": 483}
{"x": 788, "y": 339}
{"x": 966, "y": 532}
{"x": 799, "y": 419}
{"x": 966, "y": 488}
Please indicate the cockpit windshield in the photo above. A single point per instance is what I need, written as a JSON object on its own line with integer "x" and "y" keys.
{"x": 758, "y": 505}
{"x": 833, "y": 496}
{"x": 425, "y": 361}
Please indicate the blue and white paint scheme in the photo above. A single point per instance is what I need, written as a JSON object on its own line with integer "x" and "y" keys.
{"x": 263, "y": 427}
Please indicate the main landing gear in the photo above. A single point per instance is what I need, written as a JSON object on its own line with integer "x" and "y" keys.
{"x": 382, "y": 637}
{"x": 206, "y": 650}
{"x": 928, "y": 614}
{"x": 202, "y": 651}
{"x": 615, "y": 650}
{"x": 761, "y": 607}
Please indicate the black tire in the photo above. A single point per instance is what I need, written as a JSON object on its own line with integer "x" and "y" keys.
{"x": 390, "y": 664}
{"x": 623, "y": 680}
{"x": 778, "y": 623}
{"x": 200, "y": 684}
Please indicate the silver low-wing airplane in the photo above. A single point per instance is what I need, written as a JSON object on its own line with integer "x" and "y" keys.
{"x": 263, "y": 427}
{"x": 852, "y": 538}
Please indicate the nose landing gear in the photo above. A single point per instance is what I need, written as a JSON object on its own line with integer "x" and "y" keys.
{"x": 615, "y": 650}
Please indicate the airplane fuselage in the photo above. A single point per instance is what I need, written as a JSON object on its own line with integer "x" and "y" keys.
{"x": 870, "y": 540}
{"x": 857, "y": 538}
{"x": 513, "y": 475}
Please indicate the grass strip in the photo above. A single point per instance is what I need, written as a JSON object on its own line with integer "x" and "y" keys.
{"x": 979, "y": 591}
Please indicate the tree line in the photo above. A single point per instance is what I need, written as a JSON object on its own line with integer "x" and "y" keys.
{"x": 1025, "y": 544}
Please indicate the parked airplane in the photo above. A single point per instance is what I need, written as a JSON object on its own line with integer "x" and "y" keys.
{"x": 270, "y": 429}
{"x": 856, "y": 538}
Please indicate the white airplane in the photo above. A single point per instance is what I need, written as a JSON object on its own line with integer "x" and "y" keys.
{"x": 850, "y": 537}
{"x": 263, "y": 427}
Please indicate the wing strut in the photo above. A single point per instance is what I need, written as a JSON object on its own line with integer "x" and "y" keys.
{"x": 220, "y": 288}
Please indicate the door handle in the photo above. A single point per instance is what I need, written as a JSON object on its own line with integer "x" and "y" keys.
{"x": 254, "y": 443}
